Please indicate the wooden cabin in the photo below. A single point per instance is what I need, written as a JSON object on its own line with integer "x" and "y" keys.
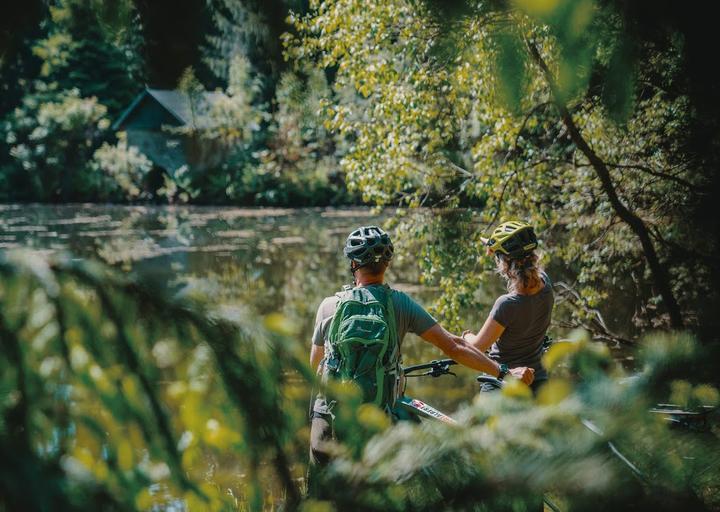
{"x": 167, "y": 126}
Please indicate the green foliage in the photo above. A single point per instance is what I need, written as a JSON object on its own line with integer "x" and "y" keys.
{"x": 300, "y": 163}
{"x": 51, "y": 139}
{"x": 265, "y": 122}
{"x": 279, "y": 154}
{"x": 439, "y": 110}
{"x": 252, "y": 30}
{"x": 116, "y": 396}
{"x": 88, "y": 71}
{"x": 92, "y": 48}
{"x": 190, "y": 86}
{"x": 125, "y": 167}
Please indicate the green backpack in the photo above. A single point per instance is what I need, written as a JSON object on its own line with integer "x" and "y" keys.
{"x": 363, "y": 343}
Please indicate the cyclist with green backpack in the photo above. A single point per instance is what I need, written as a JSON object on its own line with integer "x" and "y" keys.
{"x": 358, "y": 335}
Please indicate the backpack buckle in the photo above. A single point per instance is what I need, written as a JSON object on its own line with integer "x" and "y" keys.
{"x": 333, "y": 364}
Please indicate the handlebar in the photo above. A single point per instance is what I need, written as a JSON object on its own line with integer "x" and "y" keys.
{"x": 440, "y": 367}
{"x": 435, "y": 368}
{"x": 488, "y": 379}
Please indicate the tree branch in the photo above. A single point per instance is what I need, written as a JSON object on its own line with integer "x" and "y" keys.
{"x": 659, "y": 272}
{"x": 658, "y": 174}
{"x": 597, "y": 326}
{"x": 527, "y": 118}
{"x": 507, "y": 182}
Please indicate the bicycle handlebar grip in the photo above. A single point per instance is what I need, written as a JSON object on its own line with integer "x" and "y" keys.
{"x": 427, "y": 366}
{"x": 487, "y": 379}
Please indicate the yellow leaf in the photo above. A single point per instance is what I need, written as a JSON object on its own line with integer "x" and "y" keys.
{"x": 135, "y": 435}
{"x": 125, "y": 455}
{"x": 317, "y": 506}
{"x": 680, "y": 391}
{"x": 706, "y": 394}
{"x": 515, "y": 388}
{"x": 554, "y": 392}
{"x": 144, "y": 500}
{"x": 372, "y": 417}
{"x": 85, "y": 457}
{"x": 280, "y": 324}
{"x": 558, "y": 352}
{"x": 101, "y": 470}
{"x": 129, "y": 387}
{"x": 195, "y": 502}
{"x": 190, "y": 458}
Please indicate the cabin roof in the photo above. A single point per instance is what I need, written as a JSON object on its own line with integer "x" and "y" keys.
{"x": 176, "y": 103}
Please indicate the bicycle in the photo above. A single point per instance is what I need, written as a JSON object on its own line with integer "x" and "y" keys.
{"x": 436, "y": 368}
{"x": 674, "y": 415}
{"x": 417, "y": 409}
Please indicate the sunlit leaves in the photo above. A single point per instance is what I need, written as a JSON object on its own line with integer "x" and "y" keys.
{"x": 51, "y": 138}
{"x": 125, "y": 166}
{"x": 559, "y": 443}
{"x": 124, "y": 396}
{"x": 224, "y": 399}
{"x": 476, "y": 123}
{"x": 510, "y": 65}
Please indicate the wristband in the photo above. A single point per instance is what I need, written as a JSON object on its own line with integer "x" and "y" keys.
{"x": 504, "y": 370}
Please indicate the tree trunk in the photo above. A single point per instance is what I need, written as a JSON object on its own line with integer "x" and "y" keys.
{"x": 659, "y": 273}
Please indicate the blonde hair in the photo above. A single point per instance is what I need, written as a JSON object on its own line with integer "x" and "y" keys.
{"x": 520, "y": 273}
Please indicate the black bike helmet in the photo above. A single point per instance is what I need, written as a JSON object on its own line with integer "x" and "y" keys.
{"x": 368, "y": 244}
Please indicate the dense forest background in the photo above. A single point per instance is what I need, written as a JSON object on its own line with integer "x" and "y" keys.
{"x": 69, "y": 69}
{"x": 595, "y": 120}
{"x": 612, "y": 150}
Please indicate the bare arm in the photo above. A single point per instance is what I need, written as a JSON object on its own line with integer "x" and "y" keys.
{"x": 467, "y": 355}
{"x": 317, "y": 352}
{"x": 488, "y": 334}
{"x": 460, "y": 350}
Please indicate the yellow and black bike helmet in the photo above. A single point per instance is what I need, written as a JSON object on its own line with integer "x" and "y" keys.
{"x": 513, "y": 238}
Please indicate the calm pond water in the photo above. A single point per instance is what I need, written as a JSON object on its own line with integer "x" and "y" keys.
{"x": 274, "y": 260}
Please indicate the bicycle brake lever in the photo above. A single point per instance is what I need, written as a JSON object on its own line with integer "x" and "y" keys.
{"x": 441, "y": 370}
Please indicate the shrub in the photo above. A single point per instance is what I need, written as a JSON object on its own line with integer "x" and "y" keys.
{"x": 51, "y": 139}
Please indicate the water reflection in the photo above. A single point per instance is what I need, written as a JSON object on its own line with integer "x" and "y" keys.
{"x": 273, "y": 260}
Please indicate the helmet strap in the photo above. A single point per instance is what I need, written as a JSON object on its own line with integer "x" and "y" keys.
{"x": 353, "y": 270}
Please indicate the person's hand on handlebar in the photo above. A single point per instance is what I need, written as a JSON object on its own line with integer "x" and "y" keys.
{"x": 525, "y": 374}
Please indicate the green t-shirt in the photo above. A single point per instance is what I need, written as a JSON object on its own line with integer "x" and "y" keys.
{"x": 409, "y": 317}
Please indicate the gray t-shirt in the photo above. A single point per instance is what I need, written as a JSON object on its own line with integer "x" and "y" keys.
{"x": 409, "y": 317}
{"x": 526, "y": 319}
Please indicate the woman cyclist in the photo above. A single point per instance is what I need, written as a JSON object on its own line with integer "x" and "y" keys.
{"x": 514, "y": 331}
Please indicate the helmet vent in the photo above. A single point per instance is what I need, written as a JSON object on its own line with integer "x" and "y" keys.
{"x": 369, "y": 244}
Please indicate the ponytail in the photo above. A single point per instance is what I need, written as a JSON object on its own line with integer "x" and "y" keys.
{"x": 520, "y": 273}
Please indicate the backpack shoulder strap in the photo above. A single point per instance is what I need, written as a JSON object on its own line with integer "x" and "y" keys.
{"x": 346, "y": 288}
{"x": 393, "y": 366}
{"x": 390, "y": 306}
